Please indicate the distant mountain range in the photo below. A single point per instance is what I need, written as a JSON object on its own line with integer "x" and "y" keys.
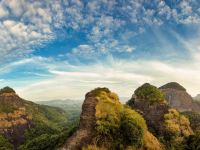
{"x": 197, "y": 98}
{"x": 71, "y": 107}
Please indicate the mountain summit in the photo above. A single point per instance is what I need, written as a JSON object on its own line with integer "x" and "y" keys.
{"x": 107, "y": 124}
{"x": 18, "y": 116}
{"x": 177, "y": 97}
{"x": 173, "y": 85}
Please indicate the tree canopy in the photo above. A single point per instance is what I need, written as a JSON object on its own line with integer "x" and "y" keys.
{"x": 150, "y": 93}
{"x": 6, "y": 90}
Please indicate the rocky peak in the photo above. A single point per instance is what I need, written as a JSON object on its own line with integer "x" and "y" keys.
{"x": 177, "y": 97}
{"x": 7, "y": 90}
{"x": 14, "y": 119}
{"x": 173, "y": 85}
{"x": 84, "y": 134}
{"x": 9, "y": 98}
{"x": 106, "y": 123}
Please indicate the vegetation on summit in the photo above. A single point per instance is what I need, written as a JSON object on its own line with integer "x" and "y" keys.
{"x": 118, "y": 126}
{"x": 149, "y": 93}
{"x": 6, "y": 90}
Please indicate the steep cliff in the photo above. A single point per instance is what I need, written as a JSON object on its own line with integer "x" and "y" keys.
{"x": 177, "y": 97}
{"x": 106, "y": 124}
{"x": 162, "y": 121}
{"x": 14, "y": 119}
{"x": 18, "y": 116}
{"x": 85, "y": 132}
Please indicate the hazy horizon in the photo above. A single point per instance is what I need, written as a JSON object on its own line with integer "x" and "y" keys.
{"x": 63, "y": 49}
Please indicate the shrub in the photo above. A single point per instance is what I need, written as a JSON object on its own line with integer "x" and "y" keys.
{"x": 150, "y": 93}
{"x": 176, "y": 125}
{"x": 132, "y": 128}
{"x": 7, "y": 90}
{"x": 194, "y": 118}
{"x": 192, "y": 142}
{"x": 4, "y": 144}
{"x": 117, "y": 127}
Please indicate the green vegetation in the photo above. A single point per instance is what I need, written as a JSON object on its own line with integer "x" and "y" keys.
{"x": 4, "y": 144}
{"x": 132, "y": 128}
{"x": 173, "y": 85}
{"x": 51, "y": 128}
{"x": 118, "y": 126}
{"x": 7, "y": 90}
{"x": 52, "y": 117}
{"x": 176, "y": 128}
{"x": 192, "y": 142}
{"x": 149, "y": 93}
{"x": 7, "y": 108}
{"x": 194, "y": 119}
{"x": 47, "y": 139}
{"x": 176, "y": 124}
{"x": 71, "y": 107}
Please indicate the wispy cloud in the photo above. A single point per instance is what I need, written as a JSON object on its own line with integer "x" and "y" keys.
{"x": 120, "y": 76}
{"x": 105, "y": 29}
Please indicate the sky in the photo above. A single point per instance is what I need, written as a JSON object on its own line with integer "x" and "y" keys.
{"x": 62, "y": 49}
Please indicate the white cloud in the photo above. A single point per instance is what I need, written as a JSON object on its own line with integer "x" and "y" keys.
{"x": 3, "y": 12}
{"x": 185, "y": 8}
{"x": 120, "y": 76}
{"x": 25, "y": 25}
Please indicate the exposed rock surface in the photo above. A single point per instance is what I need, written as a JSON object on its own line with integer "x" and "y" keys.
{"x": 85, "y": 132}
{"x": 153, "y": 114}
{"x": 177, "y": 97}
{"x": 13, "y": 118}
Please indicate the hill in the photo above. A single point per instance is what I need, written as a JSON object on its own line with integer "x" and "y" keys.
{"x": 107, "y": 124}
{"x": 197, "y": 98}
{"x": 177, "y": 97}
{"x": 163, "y": 121}
{"x": 22, "y": 121}
{"x": 173, "y": 85}
{"x": 71, "y": 107}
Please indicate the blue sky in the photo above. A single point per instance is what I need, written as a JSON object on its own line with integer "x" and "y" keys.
{"x": 62, "y": 49}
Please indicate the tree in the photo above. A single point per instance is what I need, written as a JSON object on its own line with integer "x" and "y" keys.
{"x": 150, "y": 93}
{"x": 192, "y": 142}
{"x": 7, "y": 90}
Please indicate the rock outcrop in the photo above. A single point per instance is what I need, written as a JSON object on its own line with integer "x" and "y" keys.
{"x": 18, "y": 116}
{"x": 153, "y": 114}
{"x": 106, "y": 123}
{"x": 156, "y": 112}
{"x": 84, "y": 134}
{"x": 13, "y": 117}
{"x": 177, "y": 97}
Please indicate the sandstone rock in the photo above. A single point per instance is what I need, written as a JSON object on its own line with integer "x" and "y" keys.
{"x": 85, "y": 132}
{"x": 177, "y": 97}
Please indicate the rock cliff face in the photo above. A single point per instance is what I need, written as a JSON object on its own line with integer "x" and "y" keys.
{"x": 153, "y": 114}
{"x": 106, "y": 124}
{"x": 177, "y": 97}
{"x": 18, "y": 116}
{"x": 13, "y": 118}
{"x": 86, "y": 130}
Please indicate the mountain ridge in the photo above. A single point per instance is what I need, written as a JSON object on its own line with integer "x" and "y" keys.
{"x": 17, "y": 116}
